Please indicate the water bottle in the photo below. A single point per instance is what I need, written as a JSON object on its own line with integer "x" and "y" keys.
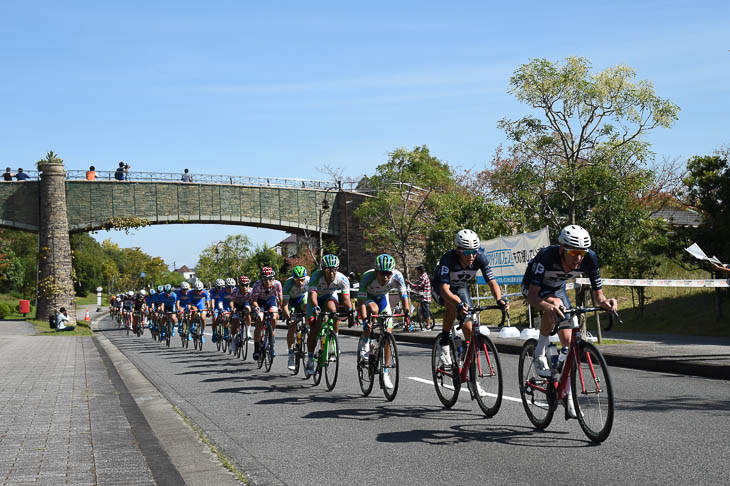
{"x": 459, "y": 346}
{"x": 562, "y": 356}
{"x": 552, "y": 352}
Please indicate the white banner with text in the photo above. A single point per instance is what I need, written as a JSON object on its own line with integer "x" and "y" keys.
{"x": 508, "y": 255}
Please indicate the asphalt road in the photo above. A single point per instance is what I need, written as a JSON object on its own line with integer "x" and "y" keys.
{"x": 280, "y": 429}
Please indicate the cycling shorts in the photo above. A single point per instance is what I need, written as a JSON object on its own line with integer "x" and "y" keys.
{"x": 268, "y": 304}
{"x": 560, "y": 293}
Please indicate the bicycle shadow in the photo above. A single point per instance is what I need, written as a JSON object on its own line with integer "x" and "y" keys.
{"x": 678, "y": 402}
{"x": 522, "y": 436}
{"x": 386, "y": 411}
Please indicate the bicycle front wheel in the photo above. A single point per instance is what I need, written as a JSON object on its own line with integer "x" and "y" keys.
{"x": 300, "y": 348}
{"x": 365, "y": 371}
{"x": 592, "y": 392}
{"x": 485, "y": 375}
{"x": 268, "y": 350}
{"x": 168, "y": 333}
{"x": 445, "y": 377}
{"x": 332, "y": 365}
{"x": 244, "y": 341}
{"x": 318, "y": 350}
{"x": 534, "y": 388}
{"x": 389, "y": 376}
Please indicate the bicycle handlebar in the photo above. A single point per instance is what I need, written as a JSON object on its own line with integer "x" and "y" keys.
{"x": 472, "y": 310}
{"x": 584, "y": 310}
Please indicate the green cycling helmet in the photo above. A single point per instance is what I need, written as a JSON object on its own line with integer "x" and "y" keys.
{"x": 299, "y": 272}
{"x": 384, "y": 263}
{"x": 330, "y": 261}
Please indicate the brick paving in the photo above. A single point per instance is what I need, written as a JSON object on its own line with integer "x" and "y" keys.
{"x": 61, "y": 420}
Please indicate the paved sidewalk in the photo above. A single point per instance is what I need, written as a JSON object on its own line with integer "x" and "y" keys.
{"x": 61, "y": 421}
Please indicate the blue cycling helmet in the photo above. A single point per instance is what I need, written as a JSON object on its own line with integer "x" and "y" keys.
{"x": 160, "y": 289}
{"x": 384, "y": 263}
{"x": 152, "y": 291}
{"x": 168, "y": 287}
{"x": 330, "y": 261}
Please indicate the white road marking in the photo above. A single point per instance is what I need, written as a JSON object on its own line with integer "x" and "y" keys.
{"x": 463, "y": 389}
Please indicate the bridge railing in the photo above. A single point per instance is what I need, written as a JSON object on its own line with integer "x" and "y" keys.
{"x": 135, "y": 176}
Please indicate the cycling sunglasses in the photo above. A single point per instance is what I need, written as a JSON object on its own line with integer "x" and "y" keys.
{"x": 385, "y": 274}
{"x": 469, "y": 252}
{"x": 574, "y": 253}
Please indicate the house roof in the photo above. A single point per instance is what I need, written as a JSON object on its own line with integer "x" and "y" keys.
{"x": 183, "y": 269}
{"x": 679, "y": 217}
{"x": 288, "y": 240}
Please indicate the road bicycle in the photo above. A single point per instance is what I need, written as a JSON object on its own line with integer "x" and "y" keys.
{"x": 196, "y": 328}
{"x": 382, "y": 357}
{"x": 478, "y": 366}
{"x": 128, "y": 320}
{"x": 586, "y": 373}
{"x": 137, "y": 323}
{"x": 166, "y": 327}
{"x": 266, "y": 351}
{"x": 241, "y": 336}
{"x": 184, "y": 329}
{"x": 299, "y": 320}
{"x": 326, "y": 352}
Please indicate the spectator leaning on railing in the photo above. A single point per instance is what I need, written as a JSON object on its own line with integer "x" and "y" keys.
{"x": 7, "y": 175}
{"x": 21, "y": 176}
{"x": 91, "y": 174}
{"x": 187, "y": 176}
{"x": 122, "y": 172}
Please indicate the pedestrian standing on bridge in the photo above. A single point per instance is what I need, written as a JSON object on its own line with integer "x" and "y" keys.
{"x": 91, "y": 174}
{"x": 122, "y": 172}
{"x": 7, "y": 175}
{"x": 187, "y": 176}
{"x": 21, "y": 176}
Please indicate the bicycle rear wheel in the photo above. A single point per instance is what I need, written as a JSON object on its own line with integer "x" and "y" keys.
{"x": 485, "y": 376}
{"x": 268, "y": 350}
{"x": 244, "y": 341}
{"x": 592, "y": 392}
{"x": 332, "y": 366}
{"x": 445, "y": 378}
{"x": 300, "y": 347}
{"x": 365, "y": 370}
{"x": 534, "y": 388}
{"x": 317, "y": 376}
{"x": 218, "y": 336}
{"x": 168, "y": 333}
{"x": 387, "y": 342}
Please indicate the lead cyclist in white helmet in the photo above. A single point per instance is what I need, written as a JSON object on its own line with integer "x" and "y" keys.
{"x": 544, "y": 286}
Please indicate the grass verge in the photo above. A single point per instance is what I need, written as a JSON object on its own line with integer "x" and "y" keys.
{"x": 223, "y": 459}
{"x": 44, "y": 329}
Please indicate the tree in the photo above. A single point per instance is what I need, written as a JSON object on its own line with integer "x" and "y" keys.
{"x": 224, "y": 259}
{"x": 398, "y": 218}
{"x": 708, "y": 191}
{"x": 589, "y": 120}
{"x": 264, "y": 256}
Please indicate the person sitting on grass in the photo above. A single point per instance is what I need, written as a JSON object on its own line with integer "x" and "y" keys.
{"x": 61, "y": 319}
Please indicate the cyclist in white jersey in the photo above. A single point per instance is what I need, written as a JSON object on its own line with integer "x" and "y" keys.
{"x": 324, "y": 287}
{"x": 373, "y": 297}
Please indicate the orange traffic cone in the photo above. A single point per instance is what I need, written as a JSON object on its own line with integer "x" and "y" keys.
{"x": 86, "y": 317}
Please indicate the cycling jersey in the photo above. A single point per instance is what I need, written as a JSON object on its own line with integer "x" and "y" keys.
{"x": 169, "y": 300}
{"x": 546, "y": 270}
{"x": 127, "y": 304}
{"x": 139, "y": 301}
{"x": 242, "y": 299}
{"x": 292, "y": 291}
{"x": 149, "y": 300}
{"x": 226, "y": 296}
{"x": 184, "y": 298}
{"x": 199, "y": 298}
{"x": 340, "y": 285}
{"x": 449, "y": 271}
{"x": 370, "y": 288}
{"x": 271, "y": 297}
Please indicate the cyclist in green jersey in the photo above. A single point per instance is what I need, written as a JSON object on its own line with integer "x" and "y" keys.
{"x": 295, "y": 300}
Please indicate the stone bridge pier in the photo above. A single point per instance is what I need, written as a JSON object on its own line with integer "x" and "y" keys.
{"x": 55, "y": 280}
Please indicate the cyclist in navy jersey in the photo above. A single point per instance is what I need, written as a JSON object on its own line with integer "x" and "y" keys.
{"x": 544, "y": 287}
{"x": 455, "y": 270}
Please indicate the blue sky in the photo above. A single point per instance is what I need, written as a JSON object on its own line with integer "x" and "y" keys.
{"x": 283, "y": 88}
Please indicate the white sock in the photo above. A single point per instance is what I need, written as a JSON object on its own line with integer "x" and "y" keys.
{"x": 542, "y": 342}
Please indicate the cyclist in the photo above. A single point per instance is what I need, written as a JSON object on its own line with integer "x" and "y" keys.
{"x": 139, "y": 308}
{"x": 544, "y": 286}
{"x": 215, "y": 297}
{"x": 265, "y": 297}
{"x": 241, "y": 302}
{"x": 150, "y": 302}
{"x": 127, "y": 305}
{"x": 223, "y": 303}
{"x": 295, "y": 300}
{"x": 168, "y": 304}
{"x": 324, "y": 287}
{"x": 373, "y": 297}
{"x": 183, "y": 301}
{"x": 454, "y": 271}
{"x": 199, "y": 299}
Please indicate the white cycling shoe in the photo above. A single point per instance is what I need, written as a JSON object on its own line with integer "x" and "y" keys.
{"x": 541, "y": 366}
{"x": 445, "y": 357}
{"x": 386, "y": 381}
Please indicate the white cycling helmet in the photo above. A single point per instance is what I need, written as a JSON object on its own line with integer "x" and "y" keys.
{"x": 219, "y": 282}
{"x": 130, "y": 293}
{"x": 199, "y": 285}
{"x": 466, "y": 239}
{"x": 143, "y": 292}
{"x": 575, "y": 237}
{"x": 230, "y": 282}
{"x": 184, "y": 286}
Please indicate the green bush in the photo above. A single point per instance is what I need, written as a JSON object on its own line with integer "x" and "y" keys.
{"x": 5, "y": 310}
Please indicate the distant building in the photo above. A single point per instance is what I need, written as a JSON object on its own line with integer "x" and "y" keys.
{"x": 186, "y": 272}
{"x": 679, "y": 216}
{"x": 289, "y": 246}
